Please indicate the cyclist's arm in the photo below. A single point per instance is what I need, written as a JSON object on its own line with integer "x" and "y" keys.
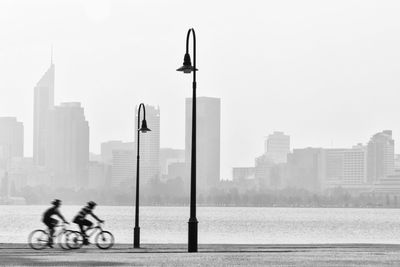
{"x": 94, "y": 216}
{"x": 61, "y": 217}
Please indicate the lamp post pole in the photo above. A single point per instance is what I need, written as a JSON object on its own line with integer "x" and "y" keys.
{"x": 144, "y": 129}
{"x": 187, "y": 68}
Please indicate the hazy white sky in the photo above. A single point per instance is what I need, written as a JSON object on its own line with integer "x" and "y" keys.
{"x": 325, "y": 72}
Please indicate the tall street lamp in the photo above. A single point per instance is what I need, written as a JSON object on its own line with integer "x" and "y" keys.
{"x": 188, "y": 68}
{"x": 143, "y": 129}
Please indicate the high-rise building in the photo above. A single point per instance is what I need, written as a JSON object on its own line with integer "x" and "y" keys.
{"x": 277, "y": 147}
{"x": 67, "y": 145}
{"x": 43, "y": 102}
{"x": 208, "y": 141}
{"x": 380, "y": 161}
{"x": 343, "y": 167}
{"x": 11, "y": 140}
{"x": 149, "y": 145}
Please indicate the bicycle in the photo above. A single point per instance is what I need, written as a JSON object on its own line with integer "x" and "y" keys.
{"x": 103, "y": 239}
{"x": 40, "y": 239}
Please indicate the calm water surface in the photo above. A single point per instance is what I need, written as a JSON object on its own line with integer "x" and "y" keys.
{"x": 224, "y": 224}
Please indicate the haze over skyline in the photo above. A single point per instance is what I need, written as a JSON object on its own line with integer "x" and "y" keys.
{"x": 310, "y": 69}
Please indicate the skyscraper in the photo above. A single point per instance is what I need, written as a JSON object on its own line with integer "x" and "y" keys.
{"x": 67, "y": 145}
{"x": 43, "y": 102}
{"x": 149, "y": 145}
{"x": 11, "y": 139}
{"x": 208, "y": 141}
{"x": 277, "y": 147}
{"x": 380, "y": 162}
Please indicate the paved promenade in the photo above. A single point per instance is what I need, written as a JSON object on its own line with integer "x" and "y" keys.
{"x": 209, "y": 255}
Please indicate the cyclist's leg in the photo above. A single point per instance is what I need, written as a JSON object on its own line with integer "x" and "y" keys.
{"x": 81, "y": 228}
{"x": 86, "y": 224}
{"x": 51, "y": 223}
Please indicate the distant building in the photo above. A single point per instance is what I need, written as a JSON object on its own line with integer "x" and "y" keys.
{"x": 388, "y": 186}
{"x": 149, "y": 145}
{"x": 43, "y": 102}
{"x": 123, "y": 171}
{"x": 20, "y": 171}
{"x": 169, "y": 156}
{"x": 242, "y": 173}
{"x": 208, "y": 141}
{"x": 11, "y": 140}
{"x": 24, "y": 172}
{"x": 243, "y": 178}
{"x": 305, "y": 169}
{"x": 380, "y": 161}
{"x": 67, "y": 145}
{"x": 95, "y": 157}
{"x": 277, "y": 147}
{"x": 97, "y": 175}
{"x": 262, "y": 172}
{"x": 344, "y": 167}
{"x": 397, "y": 162}
{"x": 108, "y": 147}
{"x": 107, "y": 158}
{"x": 176, "y": 170}
{"x": 4, "y": 185}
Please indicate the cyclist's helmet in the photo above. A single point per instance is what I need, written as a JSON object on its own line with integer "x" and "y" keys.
{"x": 56, "y": 202}
{"x": 91, "y": 204}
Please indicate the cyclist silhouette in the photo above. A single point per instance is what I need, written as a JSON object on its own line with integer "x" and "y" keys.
{"x": 48, "y": 219}
{"x": 84, "y": 223}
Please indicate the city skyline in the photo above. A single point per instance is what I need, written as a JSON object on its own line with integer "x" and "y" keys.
{"x": 323, "y": 93}
{"x": 44, "y": 105}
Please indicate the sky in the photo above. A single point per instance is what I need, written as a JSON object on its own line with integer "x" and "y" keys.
{"x": 324, "y": 72}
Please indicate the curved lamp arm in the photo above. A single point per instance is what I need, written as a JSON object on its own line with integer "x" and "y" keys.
{"x": 144, "y": 115}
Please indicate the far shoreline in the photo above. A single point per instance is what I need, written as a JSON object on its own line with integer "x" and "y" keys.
{"x": 216, "y": 206}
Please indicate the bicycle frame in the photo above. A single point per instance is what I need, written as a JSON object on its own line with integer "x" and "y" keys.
{"x": 92, "y": 230}
{"x": 59, "y": 229}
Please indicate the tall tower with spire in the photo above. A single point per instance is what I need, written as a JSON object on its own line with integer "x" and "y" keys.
{"x": 43, "y": 102}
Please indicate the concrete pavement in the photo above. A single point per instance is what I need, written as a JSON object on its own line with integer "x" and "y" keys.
{"x": 209, "y": 255}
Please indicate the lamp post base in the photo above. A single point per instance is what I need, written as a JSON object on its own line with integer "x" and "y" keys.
{"x": 192, "y": 245}
{"x": 136, "y": 237}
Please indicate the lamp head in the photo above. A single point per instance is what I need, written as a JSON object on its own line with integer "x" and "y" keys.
{"x": 187, "y": 65}
{"x": 144, "y": 127}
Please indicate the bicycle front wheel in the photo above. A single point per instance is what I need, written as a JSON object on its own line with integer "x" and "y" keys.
{"x": 74, "y": 240}
{"x": 38, "y": 239}
{"x": 104, "y": 240}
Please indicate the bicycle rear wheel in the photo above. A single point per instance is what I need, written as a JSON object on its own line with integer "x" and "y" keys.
{"x": 74, "y": 240}
{"x": 63, "y": 239}
{"x": 38, "y": 239}
{"x": 104, "y": 240}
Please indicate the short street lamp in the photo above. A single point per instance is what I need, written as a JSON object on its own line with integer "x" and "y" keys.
{"x": 143, "y": 129}
{"x": 188, "y": 68}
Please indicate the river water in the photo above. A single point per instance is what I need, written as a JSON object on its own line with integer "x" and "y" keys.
{"x": 235, "y": 225}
